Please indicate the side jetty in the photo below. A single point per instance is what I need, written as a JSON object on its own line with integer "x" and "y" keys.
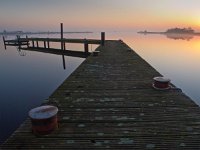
{"x": 108, "y": 102}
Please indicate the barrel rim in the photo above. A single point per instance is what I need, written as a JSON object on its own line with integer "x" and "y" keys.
{"x": 161, "y": 79}
{"x": 40, "y": 113}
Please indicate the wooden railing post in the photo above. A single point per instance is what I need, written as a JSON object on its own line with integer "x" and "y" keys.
{"x": 4, "y": 41}
{"x": 61, "y": 34}
{"x": 86, "y": 46}
{"x": 33, "y": 44}
{"x": 45, "y": 44}
{"x": 27, "y": 41}
{"x": 37, "y": 44}
{"x": 102, "y": 38}
{"x": 18, "y": 41}
{"x": 48, "y": 43}
{"x": 64, "y": 45}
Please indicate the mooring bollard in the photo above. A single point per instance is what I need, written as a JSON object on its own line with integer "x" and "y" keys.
{"x": 161, "y": 83}
{"x": 43, "y": 119}
{"x": 96, "y": 53}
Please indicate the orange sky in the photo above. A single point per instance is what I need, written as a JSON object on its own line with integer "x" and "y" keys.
{"x": 99, "y": 15}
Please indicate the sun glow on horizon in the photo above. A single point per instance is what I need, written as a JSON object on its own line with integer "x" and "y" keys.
{"x": 96, "y": 15}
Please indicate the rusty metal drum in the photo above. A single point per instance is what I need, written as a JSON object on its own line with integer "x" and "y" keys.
{"x": 161, "y": 83}
{"x": 43, "y": 119}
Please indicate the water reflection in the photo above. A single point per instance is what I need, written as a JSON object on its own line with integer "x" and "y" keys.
{"x": 27, "y": 81}
{"x": 63, "y": 58}
{"x": 174, "y": 36}
{"x": 175, "y": 59}
{"x": 20, "y": 51}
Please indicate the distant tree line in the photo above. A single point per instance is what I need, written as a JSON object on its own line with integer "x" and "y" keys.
{"x": 180, "y": 30}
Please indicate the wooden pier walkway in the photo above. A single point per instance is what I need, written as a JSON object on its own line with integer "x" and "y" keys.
{"x": 109, "y": 103}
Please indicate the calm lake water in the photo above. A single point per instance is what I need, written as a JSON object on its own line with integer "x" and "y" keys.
{"x": 28, "y": 78}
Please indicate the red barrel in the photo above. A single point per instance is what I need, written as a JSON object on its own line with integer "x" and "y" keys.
{"x": 161, "y": 82}
{"x": 44, "y": 119}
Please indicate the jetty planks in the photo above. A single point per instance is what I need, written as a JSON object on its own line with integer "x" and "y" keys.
{"x": 108, "y": 103}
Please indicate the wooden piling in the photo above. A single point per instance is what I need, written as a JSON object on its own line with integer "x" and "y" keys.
{"x": 18, "y": 41}
{"x": 86, "y": 47}
{"x": 27, "y": 40}
{"x": 37, "y": 44}
{"x": 4, "y": 42}
{"x": 64, "y": 46}
{"x": 45, "y": 44}
{"x": 61, "y": 34}
{"x": 102, "y": 38}
{"x": 48, "y": 45}
{"x": 33, "y": 44}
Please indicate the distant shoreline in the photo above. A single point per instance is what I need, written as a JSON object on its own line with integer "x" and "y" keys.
{"x": 165, "y": 33}
{"x": 173, "y": 35}
{"x": 178, "y": 31}
{"x": 30, "y": 33}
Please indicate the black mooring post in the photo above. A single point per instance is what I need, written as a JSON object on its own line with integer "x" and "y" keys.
{"x": 102, "y": 38}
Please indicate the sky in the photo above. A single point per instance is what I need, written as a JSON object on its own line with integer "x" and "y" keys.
{"x": 98, "y": 15}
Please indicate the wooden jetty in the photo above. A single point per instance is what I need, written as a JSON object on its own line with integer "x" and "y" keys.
{"x": 33, "y": 43}
{"x": 108, "y": 103}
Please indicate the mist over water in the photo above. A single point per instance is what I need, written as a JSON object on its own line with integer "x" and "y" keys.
{"x": 28, "y": 78}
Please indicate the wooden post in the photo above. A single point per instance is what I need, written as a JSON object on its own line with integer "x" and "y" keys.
{"x": 44, "y": 44}
{"x": 86, "y": 46}
{"x": 4, "y": 41}
{"x": 37, "y": 44}
{"x": 64, "y": 46}
{"x": 63, "y": 58}
{"x": 48, "y": 43}
{"x": 61, "y": 33}
{"x": 18, "y": 41}
{"x": 27, "y": 41}
{"x": 102, "y": 38}
{"x": 33, "y": 44}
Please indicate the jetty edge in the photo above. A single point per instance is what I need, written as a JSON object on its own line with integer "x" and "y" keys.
{"x": 108, "y": 102}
